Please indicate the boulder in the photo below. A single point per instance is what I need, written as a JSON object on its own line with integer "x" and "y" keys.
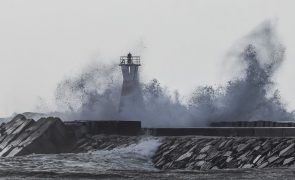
{"x": 227, "y": 153}
{"x": 288, "y": 160}
{"x": 263, "y": 165}
{"x": 242, "y": 147}
{"x": 272, "y": 159}
{"x": 228, "y": 159}
{"x": 256, "y": 159}
{"x": 287, "y": 151}
{"x": 185, "y": 156}
{"x": 206, "y": 166}
{"x": 199, "y": 163}
{"x": 247, "y": 166}
{"x": 200, "y": 156}
{"x": 205, "y": 149}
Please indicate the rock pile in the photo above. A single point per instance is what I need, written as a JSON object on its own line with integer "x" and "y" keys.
{"x": 22, "y": 136}
{"x": 204, "y": 153}
{"x": 103, "y": 142}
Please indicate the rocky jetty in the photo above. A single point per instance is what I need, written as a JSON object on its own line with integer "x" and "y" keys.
{"x": 203, "y": 153}
{"x": 22, "y": 136}
{"x": 90, "y": 143}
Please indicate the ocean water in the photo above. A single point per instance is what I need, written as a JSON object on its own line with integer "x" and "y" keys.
{"x": 132, "y": 157}
{"x": 129, "y": 162}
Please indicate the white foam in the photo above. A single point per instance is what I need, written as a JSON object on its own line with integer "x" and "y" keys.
{"x": 145, "y": 147}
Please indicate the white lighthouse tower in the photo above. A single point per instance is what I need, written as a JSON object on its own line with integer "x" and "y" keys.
{"x": 131, "y": 101}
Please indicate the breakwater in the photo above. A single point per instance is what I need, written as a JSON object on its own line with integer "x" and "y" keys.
{"x": 179, "y": 148}
{"x": 203, "y": 153}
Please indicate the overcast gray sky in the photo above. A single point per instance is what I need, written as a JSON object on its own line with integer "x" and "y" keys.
{"x": 183, "y": 43}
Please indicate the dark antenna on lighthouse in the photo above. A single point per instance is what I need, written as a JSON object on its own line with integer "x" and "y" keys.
{"x": 130, "y": 60}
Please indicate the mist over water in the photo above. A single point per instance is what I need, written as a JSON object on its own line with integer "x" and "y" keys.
{"x": 92, "y": 95}
{"x": 95, "y": 93}
{"x": 253, "y": 95}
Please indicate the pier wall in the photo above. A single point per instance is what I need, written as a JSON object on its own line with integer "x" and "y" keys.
{"x": 111, "y": 127}
{"x": 223, "y": 131}
{"x": 134, "y": 128}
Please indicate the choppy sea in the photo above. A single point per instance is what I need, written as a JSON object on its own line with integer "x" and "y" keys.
{"x": 130, "y": 162}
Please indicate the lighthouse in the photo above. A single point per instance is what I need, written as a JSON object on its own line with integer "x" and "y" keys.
{"x": 131, "y": 102}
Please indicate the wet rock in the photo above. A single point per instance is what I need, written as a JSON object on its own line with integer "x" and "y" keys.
{"x": 272, "y": 159}
{"x": 169, "y": 165}
{"x": 288, "y": 160}
{"x": 222, "y": 144}
{"x": 190, "y": 166}
{"x": 206, "y": 166}
{"x": 257, "y": 158}
{"x": 247, "y": 166}
{"x": 199, "y": 163}
{"x": 279, "y": 146}
{"x": 215, "y": 168}
{"x": 206, "y": 148}
{"x": 227, "y": 153}
{"x": 263, "y": 165}
{"x": 259, "y": 162}
{"x": 229, "y": 159}
{"x": 229, "y": 143}
{"x": 232, "y": 164}
{"x": 242, "y": 147}
{"x": 168, "y": 151}
{"x": 212, "y": 154}
{"x": 278, "y": 162}
{"x": 287, "y": 151}
{"x": 266, "y": 144}
{"x": 184, "y": 156}
{"x": 257, "y": 148}
{"x": 200, "y": 156}
{"x": 26, "y": 136}
{"x": 243, "y": 156}
{"x": 160, "y": 162}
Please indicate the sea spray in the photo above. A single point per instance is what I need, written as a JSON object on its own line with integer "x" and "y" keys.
{"x": 137, "y": 155}
{"x": 251, "y": 96}
{"x": 145, "y": 147}
{"x": 95, "y": 93}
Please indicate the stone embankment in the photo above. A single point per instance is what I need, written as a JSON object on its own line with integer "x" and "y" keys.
{"x": 203, "y": 153}
{"x": 103, "y": 142}
{"x": 22, "y": 136}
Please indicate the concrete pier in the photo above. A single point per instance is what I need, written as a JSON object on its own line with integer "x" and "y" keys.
{"x": 260, "y": 123}
{"x": 223, "y": 131}
{"x": 131, "y": 128}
